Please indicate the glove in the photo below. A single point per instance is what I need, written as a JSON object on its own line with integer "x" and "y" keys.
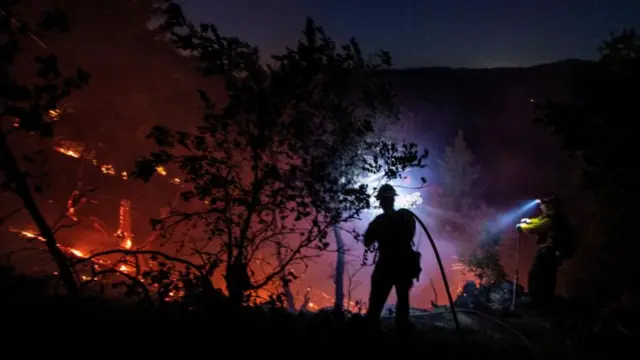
{"x": 519, "y": 228}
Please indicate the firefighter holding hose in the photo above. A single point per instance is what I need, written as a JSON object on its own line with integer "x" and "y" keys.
{"x": 556, "y": 237}
{"x": 398, "y": 263}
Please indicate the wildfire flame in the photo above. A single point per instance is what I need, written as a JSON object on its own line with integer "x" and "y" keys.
{"x": 124, "y": 224}
{"x": 107, "y": 169}
{"x": 76, "y": 252}
{"x": 67, "y": 152}
{"x": 54, "y": 114}
{"x": 75, "y": 150}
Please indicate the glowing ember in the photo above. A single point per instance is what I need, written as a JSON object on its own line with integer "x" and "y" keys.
{"x": 161, "y": 170}
{"x": 76, "y": 200}
{"x": 54, "y": 115}
{"x": 77, "y": 253}
{"x": 27, "y": 234}
{"x": 126, "y": 268}
{"x": 67, "y": 152}
{"x": 32, "y": 235}
{"x": 69, "y": 148}
{"x": 108, "y": 169}
{"x": 124, "y": 224}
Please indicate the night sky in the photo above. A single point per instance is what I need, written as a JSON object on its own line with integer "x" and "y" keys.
{"x": 458, "y": 33}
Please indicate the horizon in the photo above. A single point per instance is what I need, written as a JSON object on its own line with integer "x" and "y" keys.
{"x": 457, "y": 34}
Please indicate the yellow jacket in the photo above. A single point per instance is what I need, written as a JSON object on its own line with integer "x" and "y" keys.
{"x": 539, "y": 226}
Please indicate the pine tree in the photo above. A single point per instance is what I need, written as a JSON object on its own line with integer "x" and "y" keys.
{"x": 458, "y": 175}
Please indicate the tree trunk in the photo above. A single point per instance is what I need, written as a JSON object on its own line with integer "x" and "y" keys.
{"x": 339, "y": 276}
{"x": 291, "y": 302}
{"x": 305, "y": 302}
{"x": 14, "y": 173}
{"x": 238, "y": 282}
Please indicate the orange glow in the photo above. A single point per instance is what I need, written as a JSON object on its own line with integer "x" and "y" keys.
{"x": 77, "y": 253}
{"x": 28, "y": 234}
{"x": 161, "y": 170}
{"x": 54, "y": 114}
{"x": 126, "y": 268}
{"x": 67, "y": 152}
{"x": 319, "y": 299}
{"x": 33, "y": 235}
{"x": 107, "y": 169}
{"x": 69, "y": 148}
{"x": 124, "y": 224}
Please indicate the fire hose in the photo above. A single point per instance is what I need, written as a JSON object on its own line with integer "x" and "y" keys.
{"x": 442, "y": 272}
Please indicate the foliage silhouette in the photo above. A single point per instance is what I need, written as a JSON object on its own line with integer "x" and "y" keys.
{"x": 31, "y": 110}
{"x": 277, "y": 166}
{"x": 484, "y": 261}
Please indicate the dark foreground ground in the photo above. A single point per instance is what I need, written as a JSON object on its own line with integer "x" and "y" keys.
{"x": 33, "y": 324}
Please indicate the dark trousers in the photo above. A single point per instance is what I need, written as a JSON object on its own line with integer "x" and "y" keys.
{"x": 384, "y": 277}
{"x": 543, "y": 277}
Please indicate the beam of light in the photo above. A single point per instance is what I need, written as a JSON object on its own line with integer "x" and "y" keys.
{"x": 512, "y": 216}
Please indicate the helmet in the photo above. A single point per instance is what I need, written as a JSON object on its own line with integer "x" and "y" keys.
{"x": 386, "y": 190}
{"x": 551, "y": 199}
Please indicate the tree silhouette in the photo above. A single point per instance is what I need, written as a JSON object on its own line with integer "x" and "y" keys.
{"x": 484, "y": 261}
{"x": 276, "y": 167}
{"x": 458, "y": 175}
{"x": 595, "y": 129}
{"x": 31, "y": 110}
{"x": 340, "y": 269}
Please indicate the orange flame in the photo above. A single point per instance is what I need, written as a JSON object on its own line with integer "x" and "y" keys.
{"x": 67, "y": 152}
{"x": 107, "y": 169}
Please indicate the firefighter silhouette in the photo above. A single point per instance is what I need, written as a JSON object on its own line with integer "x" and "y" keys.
{"x": 393, "y": 232}
{"x": 557, "y": 243}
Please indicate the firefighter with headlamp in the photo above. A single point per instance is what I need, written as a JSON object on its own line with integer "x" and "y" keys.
{"x": 398, "y": 263}
{"x": 556, "y": 238}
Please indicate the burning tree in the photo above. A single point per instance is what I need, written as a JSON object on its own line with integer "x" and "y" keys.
{"x": 31, "y": 110}
{"x": 274, "y": 169}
